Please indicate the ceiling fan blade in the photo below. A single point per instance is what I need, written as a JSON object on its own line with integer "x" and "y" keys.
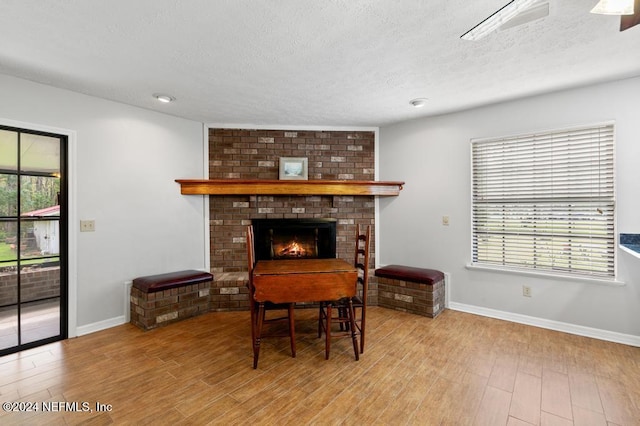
{"x": 628, "y": 21}
{"x": 498, "y": 19}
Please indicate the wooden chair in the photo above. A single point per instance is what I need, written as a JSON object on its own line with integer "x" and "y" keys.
{"x": 361, "y": 263}
{"x": 262, "y": 308}
{"x": 351, "y": 312}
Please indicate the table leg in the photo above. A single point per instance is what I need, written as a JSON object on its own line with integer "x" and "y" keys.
{"x": 253, "y": 324}
{"x": 292, "y": 329}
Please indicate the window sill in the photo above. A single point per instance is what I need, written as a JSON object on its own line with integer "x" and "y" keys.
{"x": 548, "y": 275}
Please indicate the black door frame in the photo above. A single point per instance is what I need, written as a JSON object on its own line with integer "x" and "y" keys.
{"x": 63, "y": 201}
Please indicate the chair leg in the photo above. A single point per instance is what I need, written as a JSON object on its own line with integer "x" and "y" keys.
{"x": 363, "y": 318}
{"x": 346, "y": 319}
{"x": 327, "y": 332}
{"x": 292, "y": 330}
{"x": 352, "y": 324}
{"x": 320, "y": 319}
{"x": 342, "y": 314}
{"x": 258, "y": 333}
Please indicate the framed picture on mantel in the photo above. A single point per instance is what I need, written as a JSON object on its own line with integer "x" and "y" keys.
{"x": 294, "y": 168}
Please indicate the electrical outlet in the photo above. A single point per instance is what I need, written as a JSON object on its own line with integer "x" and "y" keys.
{"x": 87, "y": 226}
{"x": 526, "y": 291}
{"x": 445, "y": 220}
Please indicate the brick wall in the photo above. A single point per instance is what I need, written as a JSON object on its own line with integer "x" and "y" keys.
{"x": 255, "y": 154}
{"x": 36, "y": 284}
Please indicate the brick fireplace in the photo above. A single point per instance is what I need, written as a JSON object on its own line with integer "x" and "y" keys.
{"x": 255, "y": 154}
{"x": 294, "y": 238}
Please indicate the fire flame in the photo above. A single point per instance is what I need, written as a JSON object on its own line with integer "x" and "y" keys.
{"x": 293, "y": 249}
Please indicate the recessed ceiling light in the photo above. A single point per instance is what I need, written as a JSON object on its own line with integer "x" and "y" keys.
{"x": 164, "y": 98}
{"x": 418, "y": 102}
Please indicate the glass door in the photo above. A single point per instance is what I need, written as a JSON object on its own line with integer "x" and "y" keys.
{"x": 33, "y": 239}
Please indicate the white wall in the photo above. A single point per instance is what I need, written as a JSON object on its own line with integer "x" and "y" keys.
{"x": 124, "y": 162}
{"x": 433, "y": 156}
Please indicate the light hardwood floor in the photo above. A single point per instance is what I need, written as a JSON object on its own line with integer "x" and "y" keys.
{"x": 457, "y": 369}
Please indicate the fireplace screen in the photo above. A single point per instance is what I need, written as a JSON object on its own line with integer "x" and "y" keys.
{"x": 294, "y": 238}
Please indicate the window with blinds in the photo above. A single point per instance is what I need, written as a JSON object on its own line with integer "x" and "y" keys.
{"x": 546, "y": 201}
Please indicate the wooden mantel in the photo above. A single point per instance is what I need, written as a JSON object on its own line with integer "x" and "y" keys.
{"x": 287, "y": 187}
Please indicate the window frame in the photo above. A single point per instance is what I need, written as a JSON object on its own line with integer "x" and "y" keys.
{"x": 479, "y": 264}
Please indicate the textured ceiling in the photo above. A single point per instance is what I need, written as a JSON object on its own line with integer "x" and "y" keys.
{"x": 307, "y": 62}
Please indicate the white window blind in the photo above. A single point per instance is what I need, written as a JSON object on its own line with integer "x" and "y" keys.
{"x": 545, "y": 201}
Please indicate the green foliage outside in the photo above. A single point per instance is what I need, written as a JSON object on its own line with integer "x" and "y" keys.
{"x": 36, "y": 192}
{"x": 6, "y": 252}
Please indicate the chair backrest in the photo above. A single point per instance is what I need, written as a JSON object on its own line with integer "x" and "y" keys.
{"x": 362, "y": 260}
{"x": 251, "y": 254}
{"x": 251, "y": 261}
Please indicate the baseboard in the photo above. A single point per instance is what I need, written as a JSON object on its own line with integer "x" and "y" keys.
{"x": 610, "y": 336}
{"x": 100, "y": 325}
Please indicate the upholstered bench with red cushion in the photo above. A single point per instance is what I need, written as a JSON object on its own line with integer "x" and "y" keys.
{"x": 410, "y": 289}
{"x": 158, "y": 300}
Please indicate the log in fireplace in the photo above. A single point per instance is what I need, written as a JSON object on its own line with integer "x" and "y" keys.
{"x": 294, "y": 238}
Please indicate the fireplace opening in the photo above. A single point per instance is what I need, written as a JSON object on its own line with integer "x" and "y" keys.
{"x": 294, "y": 238}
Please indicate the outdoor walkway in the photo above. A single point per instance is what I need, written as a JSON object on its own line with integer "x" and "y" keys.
{"x": 39, "y": 320}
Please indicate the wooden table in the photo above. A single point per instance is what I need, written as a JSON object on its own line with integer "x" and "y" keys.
{"x": 299, "y": 280}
